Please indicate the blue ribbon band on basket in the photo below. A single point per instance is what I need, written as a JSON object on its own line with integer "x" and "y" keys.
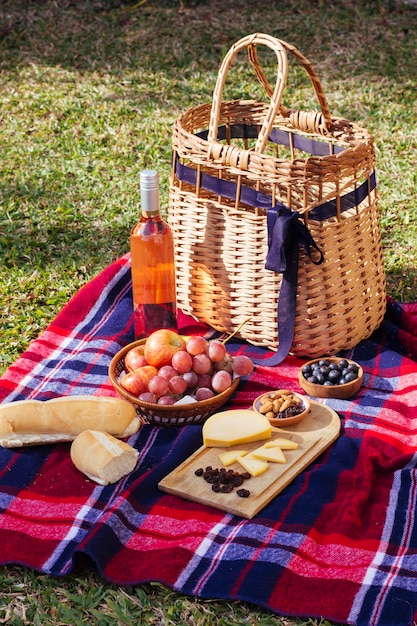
{"x": 286, "y": 228}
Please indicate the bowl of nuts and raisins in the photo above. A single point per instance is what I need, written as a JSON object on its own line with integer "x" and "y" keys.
{"x": 282, "y": 407}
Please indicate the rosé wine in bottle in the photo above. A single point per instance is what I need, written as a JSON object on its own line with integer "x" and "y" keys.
{"x": 153, "y": 268}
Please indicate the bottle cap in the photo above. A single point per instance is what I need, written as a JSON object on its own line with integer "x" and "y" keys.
{"x": 149, "y": 179}
{"x": 149, "y": 192}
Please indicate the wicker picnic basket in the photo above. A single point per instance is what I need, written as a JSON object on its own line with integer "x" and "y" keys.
{"x": 275, "y": 217}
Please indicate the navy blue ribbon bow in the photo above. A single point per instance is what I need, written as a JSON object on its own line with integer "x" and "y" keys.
{"x": 286, "y": 233}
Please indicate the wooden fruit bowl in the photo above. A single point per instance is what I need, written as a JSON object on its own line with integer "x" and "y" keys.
{"x": 342, "y": 391}
{"x": 160, "y": 415}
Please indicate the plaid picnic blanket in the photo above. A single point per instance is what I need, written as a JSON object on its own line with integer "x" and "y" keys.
{"x": 340, "y": 542}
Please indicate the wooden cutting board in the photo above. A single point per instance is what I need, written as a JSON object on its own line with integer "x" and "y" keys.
{"x": 316, "y": 432}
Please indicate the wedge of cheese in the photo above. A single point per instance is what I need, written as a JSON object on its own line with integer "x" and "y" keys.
{"x": 230, "y": 456}
{"x": 235, "y": 427}
{"x": 252, "y": 465}
{"x": 281, "y": 442}
{"x": 275, "y": 455}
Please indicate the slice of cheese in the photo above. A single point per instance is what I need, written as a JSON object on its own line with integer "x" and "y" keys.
{"x": 275, "y": 455}
{"x": 284, "y": 444}
{"x": 252, "y": 465}
{"x": 229, "y": 457}
{"x": 234, "y": 427}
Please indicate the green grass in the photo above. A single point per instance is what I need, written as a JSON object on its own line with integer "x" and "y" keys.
{"x": 89, "y": 92}
{"x": 29, "y": 598}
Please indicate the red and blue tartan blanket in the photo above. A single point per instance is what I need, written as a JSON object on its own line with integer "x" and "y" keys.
{"x": 340, "y": 542}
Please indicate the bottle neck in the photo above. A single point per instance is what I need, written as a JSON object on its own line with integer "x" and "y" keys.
{"x": 149, "y": 193}
{"x": 150, "y": 203}
{"x": 150, "y": 217}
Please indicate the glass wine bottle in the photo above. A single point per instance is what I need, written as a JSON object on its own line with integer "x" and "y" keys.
{"x": 153, "y": 268}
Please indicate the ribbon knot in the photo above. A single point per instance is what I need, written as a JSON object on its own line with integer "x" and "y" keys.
{"x": 286, "y": 233}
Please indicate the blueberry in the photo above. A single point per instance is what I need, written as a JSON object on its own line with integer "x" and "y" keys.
{"x": 334, "y": 366}
{"x": 334, "y": 376}
{"x": 306, "y": 369}
{"x": 350, "y": 376}
{"x": 330, "y": 372}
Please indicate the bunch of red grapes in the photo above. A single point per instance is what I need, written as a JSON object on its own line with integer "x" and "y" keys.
{"x": 202, "y": 369}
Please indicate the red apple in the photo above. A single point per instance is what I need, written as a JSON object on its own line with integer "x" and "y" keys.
{"x": 135, "y": 358}
{"x": 161, "y": 346}
{"x": 137, "y": 382}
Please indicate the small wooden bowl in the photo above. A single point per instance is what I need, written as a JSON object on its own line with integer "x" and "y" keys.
{"x": 344, "y": 391}
{"x": 171, "y": 415}
{"x": 285, "y": 421}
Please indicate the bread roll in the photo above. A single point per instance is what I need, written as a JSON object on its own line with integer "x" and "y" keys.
{"x": 101, "y": 457}
{"x": 29, "y": 422}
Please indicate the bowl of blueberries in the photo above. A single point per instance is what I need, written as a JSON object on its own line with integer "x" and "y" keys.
{"x": 331, "y": 377}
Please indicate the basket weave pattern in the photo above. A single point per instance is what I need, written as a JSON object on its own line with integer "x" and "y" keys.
{"x": 221, "y": 241}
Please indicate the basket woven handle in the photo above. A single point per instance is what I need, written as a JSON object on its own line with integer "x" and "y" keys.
{"x": 305, "y": 121}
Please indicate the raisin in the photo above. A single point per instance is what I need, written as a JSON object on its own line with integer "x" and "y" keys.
{"x": 210, "y": 478}
{"x": 243, "y": 493}
{"x": 211, "y": 475}
{"x": 224, "y": 480}
{"x": 226, "y": 477}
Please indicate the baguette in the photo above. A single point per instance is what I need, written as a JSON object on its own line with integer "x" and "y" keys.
{"x": 30, "y": 422}
{"x": 101, "y": 457}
